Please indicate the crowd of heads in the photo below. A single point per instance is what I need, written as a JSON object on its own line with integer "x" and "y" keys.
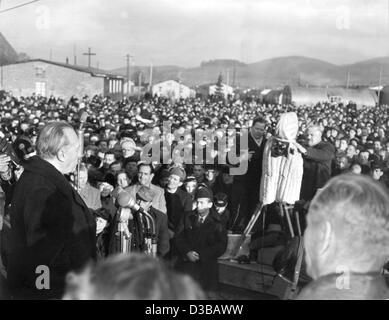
{"x": 116, "y": 131}
{"x": 115, "y": 134}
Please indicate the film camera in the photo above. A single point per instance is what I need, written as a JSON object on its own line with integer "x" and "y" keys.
{"x": 18, "y": 151}
{"x": 7, "y": 148}
{"x": 279, "y": 148}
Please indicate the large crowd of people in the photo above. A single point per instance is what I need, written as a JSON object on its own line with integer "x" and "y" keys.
{"x": 188, "y": 190}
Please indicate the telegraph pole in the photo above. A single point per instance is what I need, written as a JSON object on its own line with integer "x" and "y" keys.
{"x": 348, "y": 79}
{"x": 139, "y": 83}
{"x": 151, "y": 75}
{"x": 89, "y": 54}
{"x": 379, "y": 86}
{"x": 74, "y": 55}
{"x": 128, "y": 57}
{"x": 233, "y": 74}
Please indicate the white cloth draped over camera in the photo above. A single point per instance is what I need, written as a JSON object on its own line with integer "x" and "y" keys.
{"x": 282, "y": 176}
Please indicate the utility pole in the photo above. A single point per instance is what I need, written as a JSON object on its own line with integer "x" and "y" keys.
{"x": 139, "y": 83}
{"x": 89, "y": 54}
{"x": 379, "y": 86}
{"x": 151, "y": 75}
{"x": 348, "y": 79}
{"x": 74, "y": 55}
{"x": 228, "y": 77}
{"x": 234, "y": 74}
{"x": 128, "y": 57}
{"x": 97, "y": 64}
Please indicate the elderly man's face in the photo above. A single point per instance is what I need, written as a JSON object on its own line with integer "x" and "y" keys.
{"x": 314, "y": 136}
{"x": 127, "y": 149}
{"x": 82, "y": 178}
{"x": 70, "y": 152}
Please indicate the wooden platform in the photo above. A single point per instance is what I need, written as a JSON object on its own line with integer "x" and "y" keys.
{"x": 256, "y": 277}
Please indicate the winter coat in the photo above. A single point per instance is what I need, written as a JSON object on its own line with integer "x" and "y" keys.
{"x": 50, "y": 226}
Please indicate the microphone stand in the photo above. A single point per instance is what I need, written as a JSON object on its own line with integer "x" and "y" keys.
{"x": 151, "y": 250}
{"x": 80, "y": 133}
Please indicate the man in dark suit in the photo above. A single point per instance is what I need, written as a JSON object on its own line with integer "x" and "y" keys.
{"x": 256, "y": 146}
{"x": 317, "y": 163}
{"x": 200, "y": 241}
{"x": 53, "y": 231}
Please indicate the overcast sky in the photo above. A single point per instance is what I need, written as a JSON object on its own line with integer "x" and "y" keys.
{"x": 186, "y": 32}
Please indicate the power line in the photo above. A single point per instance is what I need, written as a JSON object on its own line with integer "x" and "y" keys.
{"x": 18, "y": 6}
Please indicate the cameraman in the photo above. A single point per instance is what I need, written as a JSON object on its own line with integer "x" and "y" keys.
{"x": 8, "y": 180}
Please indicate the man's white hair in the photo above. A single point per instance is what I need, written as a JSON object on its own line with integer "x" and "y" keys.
{"x": 357, "y": 209}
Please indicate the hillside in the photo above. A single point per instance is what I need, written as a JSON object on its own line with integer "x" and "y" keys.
{"x": 279, "y": 71}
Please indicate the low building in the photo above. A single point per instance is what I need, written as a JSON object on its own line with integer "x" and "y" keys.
{"x": 47, "y": 78}
{"x": 206, "y": 90}
{"x": 128, "y": 87}
{"x": 305, "y": 96}
{"x": 172, "y": 89}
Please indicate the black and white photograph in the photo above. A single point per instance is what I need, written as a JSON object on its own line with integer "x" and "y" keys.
{"x": 208, "y": 151}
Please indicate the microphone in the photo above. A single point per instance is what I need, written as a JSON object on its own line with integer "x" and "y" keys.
{"x": 83, "y": 117}
{"x": 124, "y": 199}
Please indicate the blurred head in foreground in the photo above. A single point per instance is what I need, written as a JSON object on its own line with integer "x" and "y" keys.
{"x": 132, "y": 276}
{"x": 348, "y": 227}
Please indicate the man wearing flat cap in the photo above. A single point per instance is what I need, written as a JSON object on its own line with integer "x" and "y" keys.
{"x": 201, "y": 239}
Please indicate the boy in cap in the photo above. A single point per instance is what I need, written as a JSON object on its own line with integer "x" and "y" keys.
{"x": 200, "y": 241}
{"x": 211, "y": 174}
{"x": 190, "y": 185}
{"x": 103, "y": 219}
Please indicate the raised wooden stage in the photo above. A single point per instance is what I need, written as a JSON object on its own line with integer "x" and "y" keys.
{"x": 255, "y": 277}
